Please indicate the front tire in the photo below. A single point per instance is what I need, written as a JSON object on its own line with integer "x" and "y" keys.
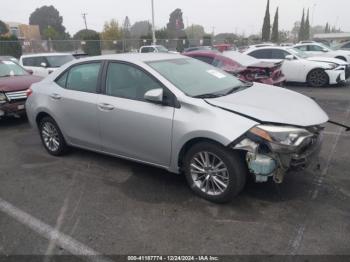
{"x": 51, "y": 137}
{"x": 317, "y": 78}
{"x": 215, "y": 172}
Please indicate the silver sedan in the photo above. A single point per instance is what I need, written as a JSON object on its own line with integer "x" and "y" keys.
{"x": 179, "y": 114}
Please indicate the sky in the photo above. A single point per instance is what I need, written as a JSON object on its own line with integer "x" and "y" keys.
{"x": 235, "y": 16}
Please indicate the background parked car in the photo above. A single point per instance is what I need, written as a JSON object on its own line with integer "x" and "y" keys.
{"x": 319, "y": 49}
{"x": 299, "y": 67}
{"x": 11, "y": 58}
{"x": 225, "y": 47}
{"x": 243, "y": 66}
{"x": 14, "y": 83}
{"x": 344, "y": 46}
{"x": 44, "y": 64}
{"x": 198, "y": 48}
{"x": 153, "y": 49}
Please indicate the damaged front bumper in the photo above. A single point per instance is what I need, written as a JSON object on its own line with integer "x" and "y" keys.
{"x": 266, "y": 160}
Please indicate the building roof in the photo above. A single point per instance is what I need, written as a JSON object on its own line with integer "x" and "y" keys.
{"x": 331, "y": 36}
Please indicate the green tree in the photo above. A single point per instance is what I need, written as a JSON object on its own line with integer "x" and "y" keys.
{"x": 111, "y": 30}
{"x": 275, "y": 29}
{"x": 195, "y": 32}
{"x": 301, "y": 35}
{"x": 140, "y": 28}
{"x": 266, "y": 29}
{"x": 327, "y": 28}
{"x": 91, "y": 39}
{"x": 46, "y": 16}
{"x": 307, "y": 26}
{"x": 176, "y": 25}
{"x": 3, "y": 28}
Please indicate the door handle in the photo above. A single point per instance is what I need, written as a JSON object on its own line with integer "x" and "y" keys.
{"x": 105, "y": 107}
{"x": 55, "y": 96}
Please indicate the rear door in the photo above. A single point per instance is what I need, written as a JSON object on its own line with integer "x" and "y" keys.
{"x": 74, "y": 103}
{"x": 131, "y": 126}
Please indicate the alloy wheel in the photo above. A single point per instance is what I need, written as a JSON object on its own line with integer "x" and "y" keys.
{"x": 50, "y": 136}
{"x": 209, "y": 173}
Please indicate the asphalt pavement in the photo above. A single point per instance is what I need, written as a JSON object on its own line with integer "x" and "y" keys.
{"x": 87, "y": 202}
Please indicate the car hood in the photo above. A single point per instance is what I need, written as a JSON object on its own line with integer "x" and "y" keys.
{"x": 264, "y": 64}
{"x": 269, "y": 104}
{"x": 17, "y": 83}
{"x": 327, "y": 60}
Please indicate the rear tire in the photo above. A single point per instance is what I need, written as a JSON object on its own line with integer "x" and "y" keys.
{"x": 317, "y": 78}
{"x": 214, "y": 172}
{"x": 51, "y": 137}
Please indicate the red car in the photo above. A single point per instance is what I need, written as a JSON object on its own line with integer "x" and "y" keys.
{"x": 224, "y": 47}
{"x": 245, "y": 67}
{"x": 14, "y": 83}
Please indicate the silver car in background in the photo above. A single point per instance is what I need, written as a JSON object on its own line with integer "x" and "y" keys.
{"x": 179, "y": 114}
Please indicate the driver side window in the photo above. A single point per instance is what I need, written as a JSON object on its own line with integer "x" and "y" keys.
{"x": 129, "y": 82}
{"x": 315, "y": 48}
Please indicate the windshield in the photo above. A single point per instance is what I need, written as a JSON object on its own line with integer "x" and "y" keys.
{"x": 162, "y": 49}
{"x": 60, "y": 60}
{"x": 297, "y": 52}
{"x": 9, "y": 68}
{"x": 240, "y": 58}
{"x": 194, "y": 77}
{"x": 326, "y": 47}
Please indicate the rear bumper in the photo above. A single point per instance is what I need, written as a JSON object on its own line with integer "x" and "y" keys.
{"x": 275, "y": 82}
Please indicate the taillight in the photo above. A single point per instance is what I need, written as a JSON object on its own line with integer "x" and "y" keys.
{"x": 29, "y": 92}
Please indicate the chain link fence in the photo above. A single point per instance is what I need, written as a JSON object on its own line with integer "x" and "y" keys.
{"x": 96, "y": 47}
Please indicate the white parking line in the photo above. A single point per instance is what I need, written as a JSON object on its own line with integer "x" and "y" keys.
{"x": 64, "y": 241}
{"x": 314, "y": 194}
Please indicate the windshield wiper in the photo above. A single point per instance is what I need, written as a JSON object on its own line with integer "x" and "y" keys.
{"x": 212, "y": 95}
{"x": 238, "y": 88}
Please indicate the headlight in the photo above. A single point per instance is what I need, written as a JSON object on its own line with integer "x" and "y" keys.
{"x": 3, "y": 98}
{"x": 281, "y": 137}
{"x": 332, "y": 66}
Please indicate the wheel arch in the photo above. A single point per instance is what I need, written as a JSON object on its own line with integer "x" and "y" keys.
{"x": 341, "y": 57}
{"x": 315, "y": 69}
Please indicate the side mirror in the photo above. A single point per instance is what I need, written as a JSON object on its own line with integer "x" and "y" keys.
{"x": 30, "y": 71}
{"x": 289, "y": 57}
{"x": 43, "y": 65}
{"x": 324, "y": 50}
{"x": 155, "y": 96}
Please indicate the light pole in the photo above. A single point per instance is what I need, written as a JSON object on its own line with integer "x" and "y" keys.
{"x": 154, "y": 40}
{"x": 313, "y": 13}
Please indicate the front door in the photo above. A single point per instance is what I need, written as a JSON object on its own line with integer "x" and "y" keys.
{"x": 131, "y": 126}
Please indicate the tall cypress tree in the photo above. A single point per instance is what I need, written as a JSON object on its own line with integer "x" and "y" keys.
{"x": 266, "y": 30}
{"x": 307, "y": 26}
{"x": 302, "y": 28}
{"x": 327, "y": 29}
{"x": 275, "y": 31}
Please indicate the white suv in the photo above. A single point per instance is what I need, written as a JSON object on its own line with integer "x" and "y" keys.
{"x": 44, "y": 64}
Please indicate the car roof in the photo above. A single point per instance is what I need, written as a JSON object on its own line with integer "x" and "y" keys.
{"x": 45, "y": 54}
{"x": 135, "y": 57}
